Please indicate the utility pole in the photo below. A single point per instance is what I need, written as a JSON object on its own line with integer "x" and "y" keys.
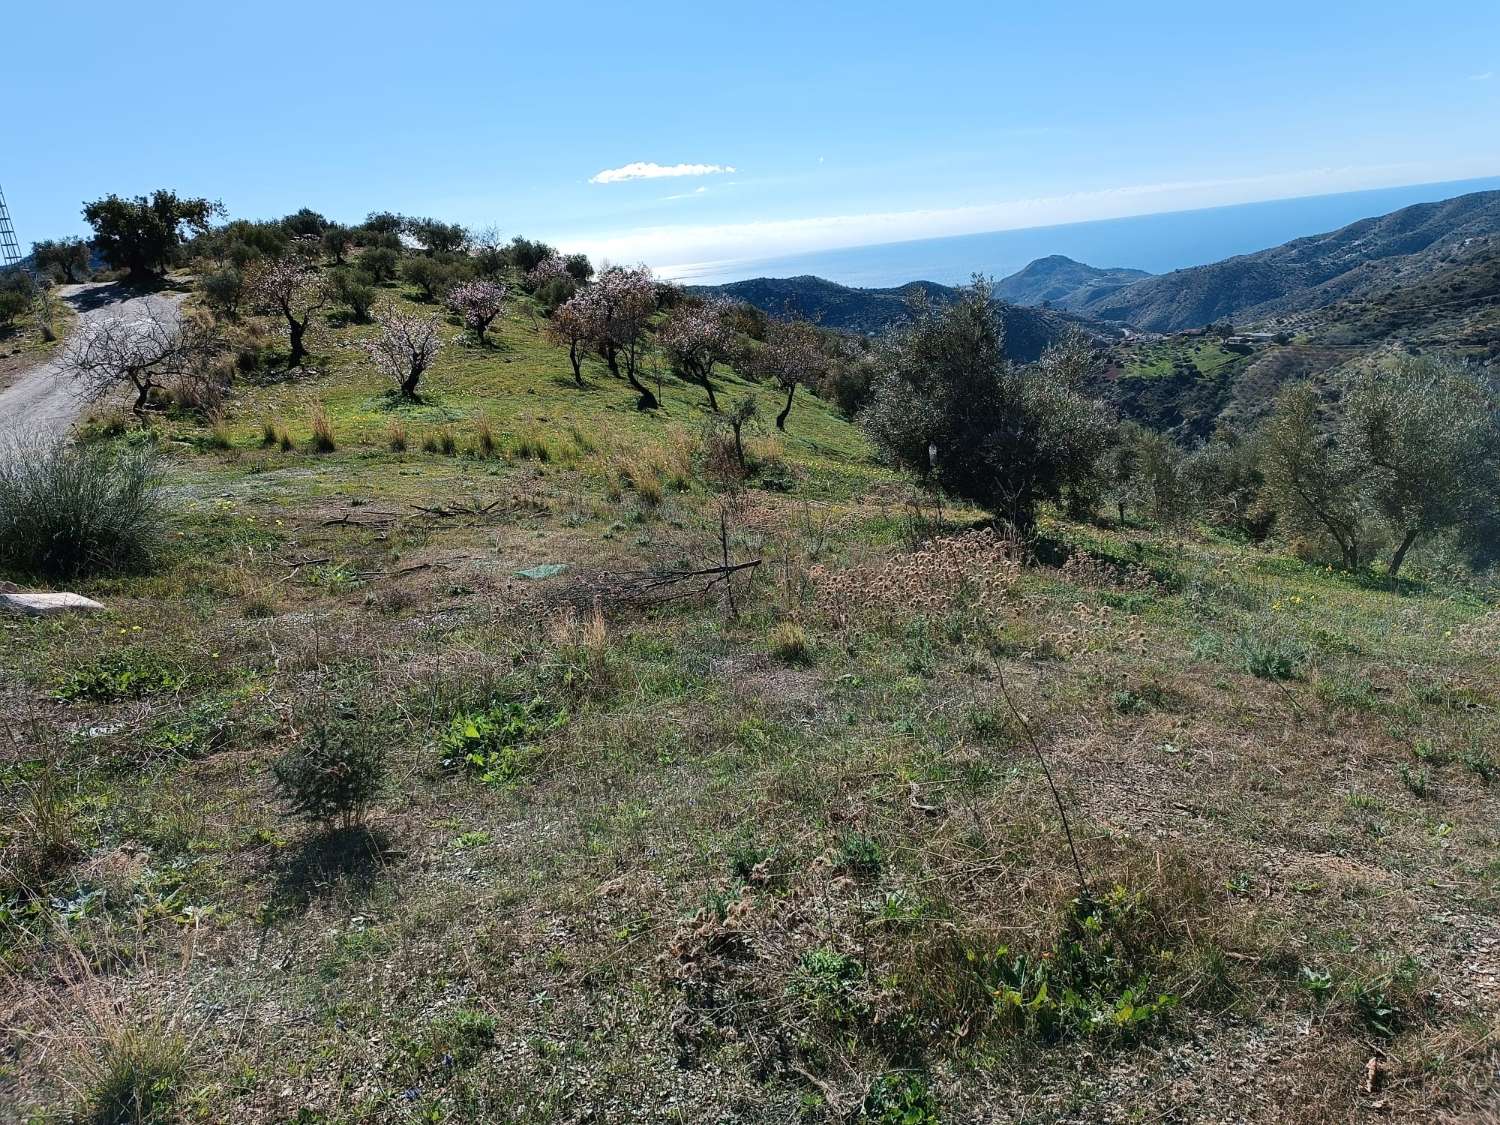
{"x": 10, "y": 250}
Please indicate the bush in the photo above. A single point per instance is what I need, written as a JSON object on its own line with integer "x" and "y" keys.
{"x": 332, "y": 777}
{"x": 355, "y": 291}
{"x": 223, "y": 289}
{"x": 380, "y": 263}
{"x": 73, "y": 510}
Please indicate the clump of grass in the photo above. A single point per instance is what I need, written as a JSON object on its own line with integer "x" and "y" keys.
{"x": 531, "y": 445}
{"x": 286, "y": 442}
{"x": 484, "y": 439}
{"x": 73, "y": 510}
{"x": 220, "y": 436}
{"x": 322, "y": 440}
{"x": 395, "y": 435}
{"x": 447, "y": 444}
{"x": 269, "y": 434}
{"x": 790, "y": 644}
{"x": 1418, "y": 781}
{"x": 430, "y": 444}
{"x": 136, "y": 1078}
{"x": 860, "y": 854}
{"x": 1270, "y": 655}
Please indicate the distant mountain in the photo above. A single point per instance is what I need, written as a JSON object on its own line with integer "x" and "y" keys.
{"x": 1059, "y": 281}
{"x": 1028, "y": 331}
{"x": 1363, "y": 258}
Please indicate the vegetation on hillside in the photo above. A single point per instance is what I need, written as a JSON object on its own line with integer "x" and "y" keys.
{"x": 545, "y": 737}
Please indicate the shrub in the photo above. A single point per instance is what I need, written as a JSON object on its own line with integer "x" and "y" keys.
{"x": 355, "y": 291}
{"x": 72, "y": 510}
{"x": 899, "y": 1098}
{"x": 497, "y": 744}
{"x": 380, "y": 263}
{"x": 333, "y": 776}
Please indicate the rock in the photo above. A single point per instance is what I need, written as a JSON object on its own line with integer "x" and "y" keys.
{"x": 545, "y": 570}
{"x": 9, "y": 588}
{"x": 45, "y": 605}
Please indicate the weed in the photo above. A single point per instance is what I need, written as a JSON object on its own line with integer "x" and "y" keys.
{"x": 899, "y": 1098}
{"x": 395, "y": 435}
{"x": 1481, "y": 763}
{"x": 136, "y": 1078}
{"x": 129, "y": 674}
{"x": 1270, "y": 655}
{"x": 860, "y": 854}
{"x": 497, "y": 744}
{"x": 832, "y": 985}
{"x": 1419, "y": 781}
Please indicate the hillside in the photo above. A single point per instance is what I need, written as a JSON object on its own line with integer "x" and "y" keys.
{"x": 1361, "y": 258}
{"x": 1060, "y": 282}
{"x": 650, "y": 846}
{"x": 1028, "y": 332}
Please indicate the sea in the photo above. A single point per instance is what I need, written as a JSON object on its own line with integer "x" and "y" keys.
{"x": 1155, "y": 243}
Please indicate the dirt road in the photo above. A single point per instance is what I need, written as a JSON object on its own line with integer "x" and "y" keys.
{"x": 45, "y": 399}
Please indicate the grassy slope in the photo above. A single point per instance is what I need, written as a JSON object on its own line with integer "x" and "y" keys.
{"x": 644, "y": 922}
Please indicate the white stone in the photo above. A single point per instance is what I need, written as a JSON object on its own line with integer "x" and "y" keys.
{"x": 44, "y": 605}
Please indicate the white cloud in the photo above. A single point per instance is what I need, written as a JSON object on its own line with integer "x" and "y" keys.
{"x": 680, "y": 250}
{"x": 645, "y": 170}
{"x": 1484, "y": 76}
{"x": 697, "y": 191}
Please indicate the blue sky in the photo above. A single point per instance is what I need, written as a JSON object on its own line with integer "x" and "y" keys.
{"x": 843, "y": 124}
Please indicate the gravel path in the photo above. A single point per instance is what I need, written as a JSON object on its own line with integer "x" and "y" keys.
{"x": 45, "y": 400}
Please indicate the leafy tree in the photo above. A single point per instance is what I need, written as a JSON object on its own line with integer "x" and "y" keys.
{"x": 17, "y": 295}
{"x": 68, "y": 256}
{"x": 290, "y": 288}
{"x": 1314, "y": 482}
{"x": 948, "y": 405}
{"x": 141, "y": 234}
{"x": 1158, "y": 482}
{"x": 384, "y": 222}
{"x": 1227, "y": 484}
{"x": 435, "y": 236}
{"x": 405, "y": 347}
{"x": 525, "y": 254}
{"x": 431, "y": 276}
{"x": 354, "y": 290}
{"x": 579, "y": 268}
{"x": 305, "y": 223}
{"x": 337, "y": 240}
{"x": 223, "y": 289}
{"x": 1427, "y": 434}
{"x": 477, "y": 304}
{"x": 571, "y": 325}
{"x": 696, "y": 338}
{"x": 380, "y": 263}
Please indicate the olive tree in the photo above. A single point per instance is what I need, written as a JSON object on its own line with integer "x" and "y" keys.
{"x": 948, "y": 405}
{"x": 142, "y": 234}
{"x": 68, "y": 256}
{"x": 1426, "y": 434}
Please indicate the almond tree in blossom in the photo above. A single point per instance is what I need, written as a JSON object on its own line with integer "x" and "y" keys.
{"x": 550, "y": 268}
{"x": 404, "y": 346}
{"x": 291, "y": 288}
{"x": 572, "y": 324}
{"x": 477, "y": 304}
{"x": 791, "y": 357}
{"x": 145, "y": 351}
{"x": 696, "y": 339}
{"x": 617, "y": 309}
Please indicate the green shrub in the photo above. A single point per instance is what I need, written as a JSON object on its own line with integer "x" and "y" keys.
{"x": 497, "y": 744}
{"x": 832, "y": 985}
{"x": 72, "y": 510}
{"x": 333, "y": 776}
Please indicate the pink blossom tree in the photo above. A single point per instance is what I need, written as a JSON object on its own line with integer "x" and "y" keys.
{"x": 145, "y": 352}
{"x": 550, "y": 268}
{"x": 696, "y": 338}
{"x": 617, "y": 308}
{"x": 404, "y": 346}
{"x": 572, "y": 325}
{"x": 291, "y": 288}
{"x": 791, "y": 357}
{"x": 477, "y": 304}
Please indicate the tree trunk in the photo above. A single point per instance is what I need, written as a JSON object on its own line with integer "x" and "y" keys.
{"x": 1120, "y": 506}
{"x": 296, "y": 330}
{"x": 479, "y": 331}
{"x": 409, "y": 385}
{"x": 713, "y": 402}
{"x": 1407, "y": 540}
{"x": 577, "y": 361}
{"x": 787, "y": 409}
{"x": 143, "y": 392}
{"x": 739, "y": 449}
{"x": 612, "y": 359}
{"x": 648, "y": 400}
